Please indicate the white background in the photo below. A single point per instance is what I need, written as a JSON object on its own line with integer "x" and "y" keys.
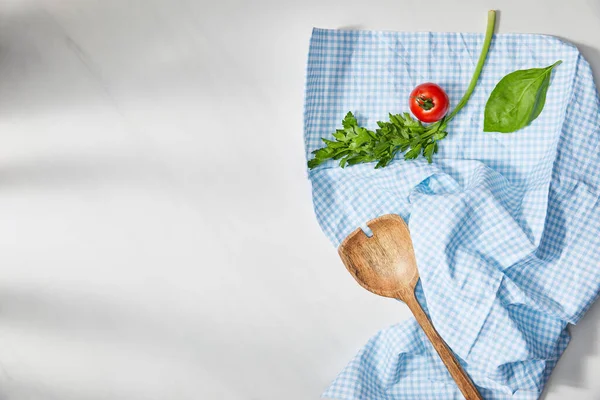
{"x": 157, "y": 238}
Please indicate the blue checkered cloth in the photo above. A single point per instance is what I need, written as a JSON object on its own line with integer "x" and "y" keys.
{"x": 506, "y": 227}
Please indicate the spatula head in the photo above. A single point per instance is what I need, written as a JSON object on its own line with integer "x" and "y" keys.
{"x": 385, "y": 263}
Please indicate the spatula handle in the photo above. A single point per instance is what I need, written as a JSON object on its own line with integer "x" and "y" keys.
{"x": 461, "y": 378}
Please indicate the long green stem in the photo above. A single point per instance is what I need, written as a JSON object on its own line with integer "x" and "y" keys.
{"x": 491, "y": 22}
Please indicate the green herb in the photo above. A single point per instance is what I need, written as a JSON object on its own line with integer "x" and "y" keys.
{"x": 517, "y": 99}
{"x": 355, "y": 144}
{"x": 402, "y": 133}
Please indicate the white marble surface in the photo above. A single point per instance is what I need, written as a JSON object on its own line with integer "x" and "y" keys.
{"x": 157, "y": 239}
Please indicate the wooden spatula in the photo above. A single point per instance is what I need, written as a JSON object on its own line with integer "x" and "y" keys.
{"x": 385, "y": 264}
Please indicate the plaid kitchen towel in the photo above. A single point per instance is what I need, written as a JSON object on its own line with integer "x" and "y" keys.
{"x": 506, "y": 227}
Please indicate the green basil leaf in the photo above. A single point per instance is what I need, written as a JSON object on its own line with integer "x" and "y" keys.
{"x": 517, "y": 99}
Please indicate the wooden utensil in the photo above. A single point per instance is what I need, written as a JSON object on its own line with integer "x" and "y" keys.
{"x": 385, "y": 264}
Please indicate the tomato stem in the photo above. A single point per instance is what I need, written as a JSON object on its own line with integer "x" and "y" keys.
{"x": 491, "y": 21}
{"x": 425, "y": 103}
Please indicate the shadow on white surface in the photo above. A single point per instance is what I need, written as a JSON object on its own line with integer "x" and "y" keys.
{"x": 354, "y": 27}
{"x": 585, "y": 336}
{"x": 75, "y": 170}
{"x": 134, "y": 341}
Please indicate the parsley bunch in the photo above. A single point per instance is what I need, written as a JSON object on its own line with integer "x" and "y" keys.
{"x": 355, "y": 144}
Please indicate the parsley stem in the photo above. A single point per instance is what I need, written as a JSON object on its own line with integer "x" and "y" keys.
{"x": 491, "y": 21}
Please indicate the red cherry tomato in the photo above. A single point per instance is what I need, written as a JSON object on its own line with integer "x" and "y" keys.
{"x": 428, "y": 102}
